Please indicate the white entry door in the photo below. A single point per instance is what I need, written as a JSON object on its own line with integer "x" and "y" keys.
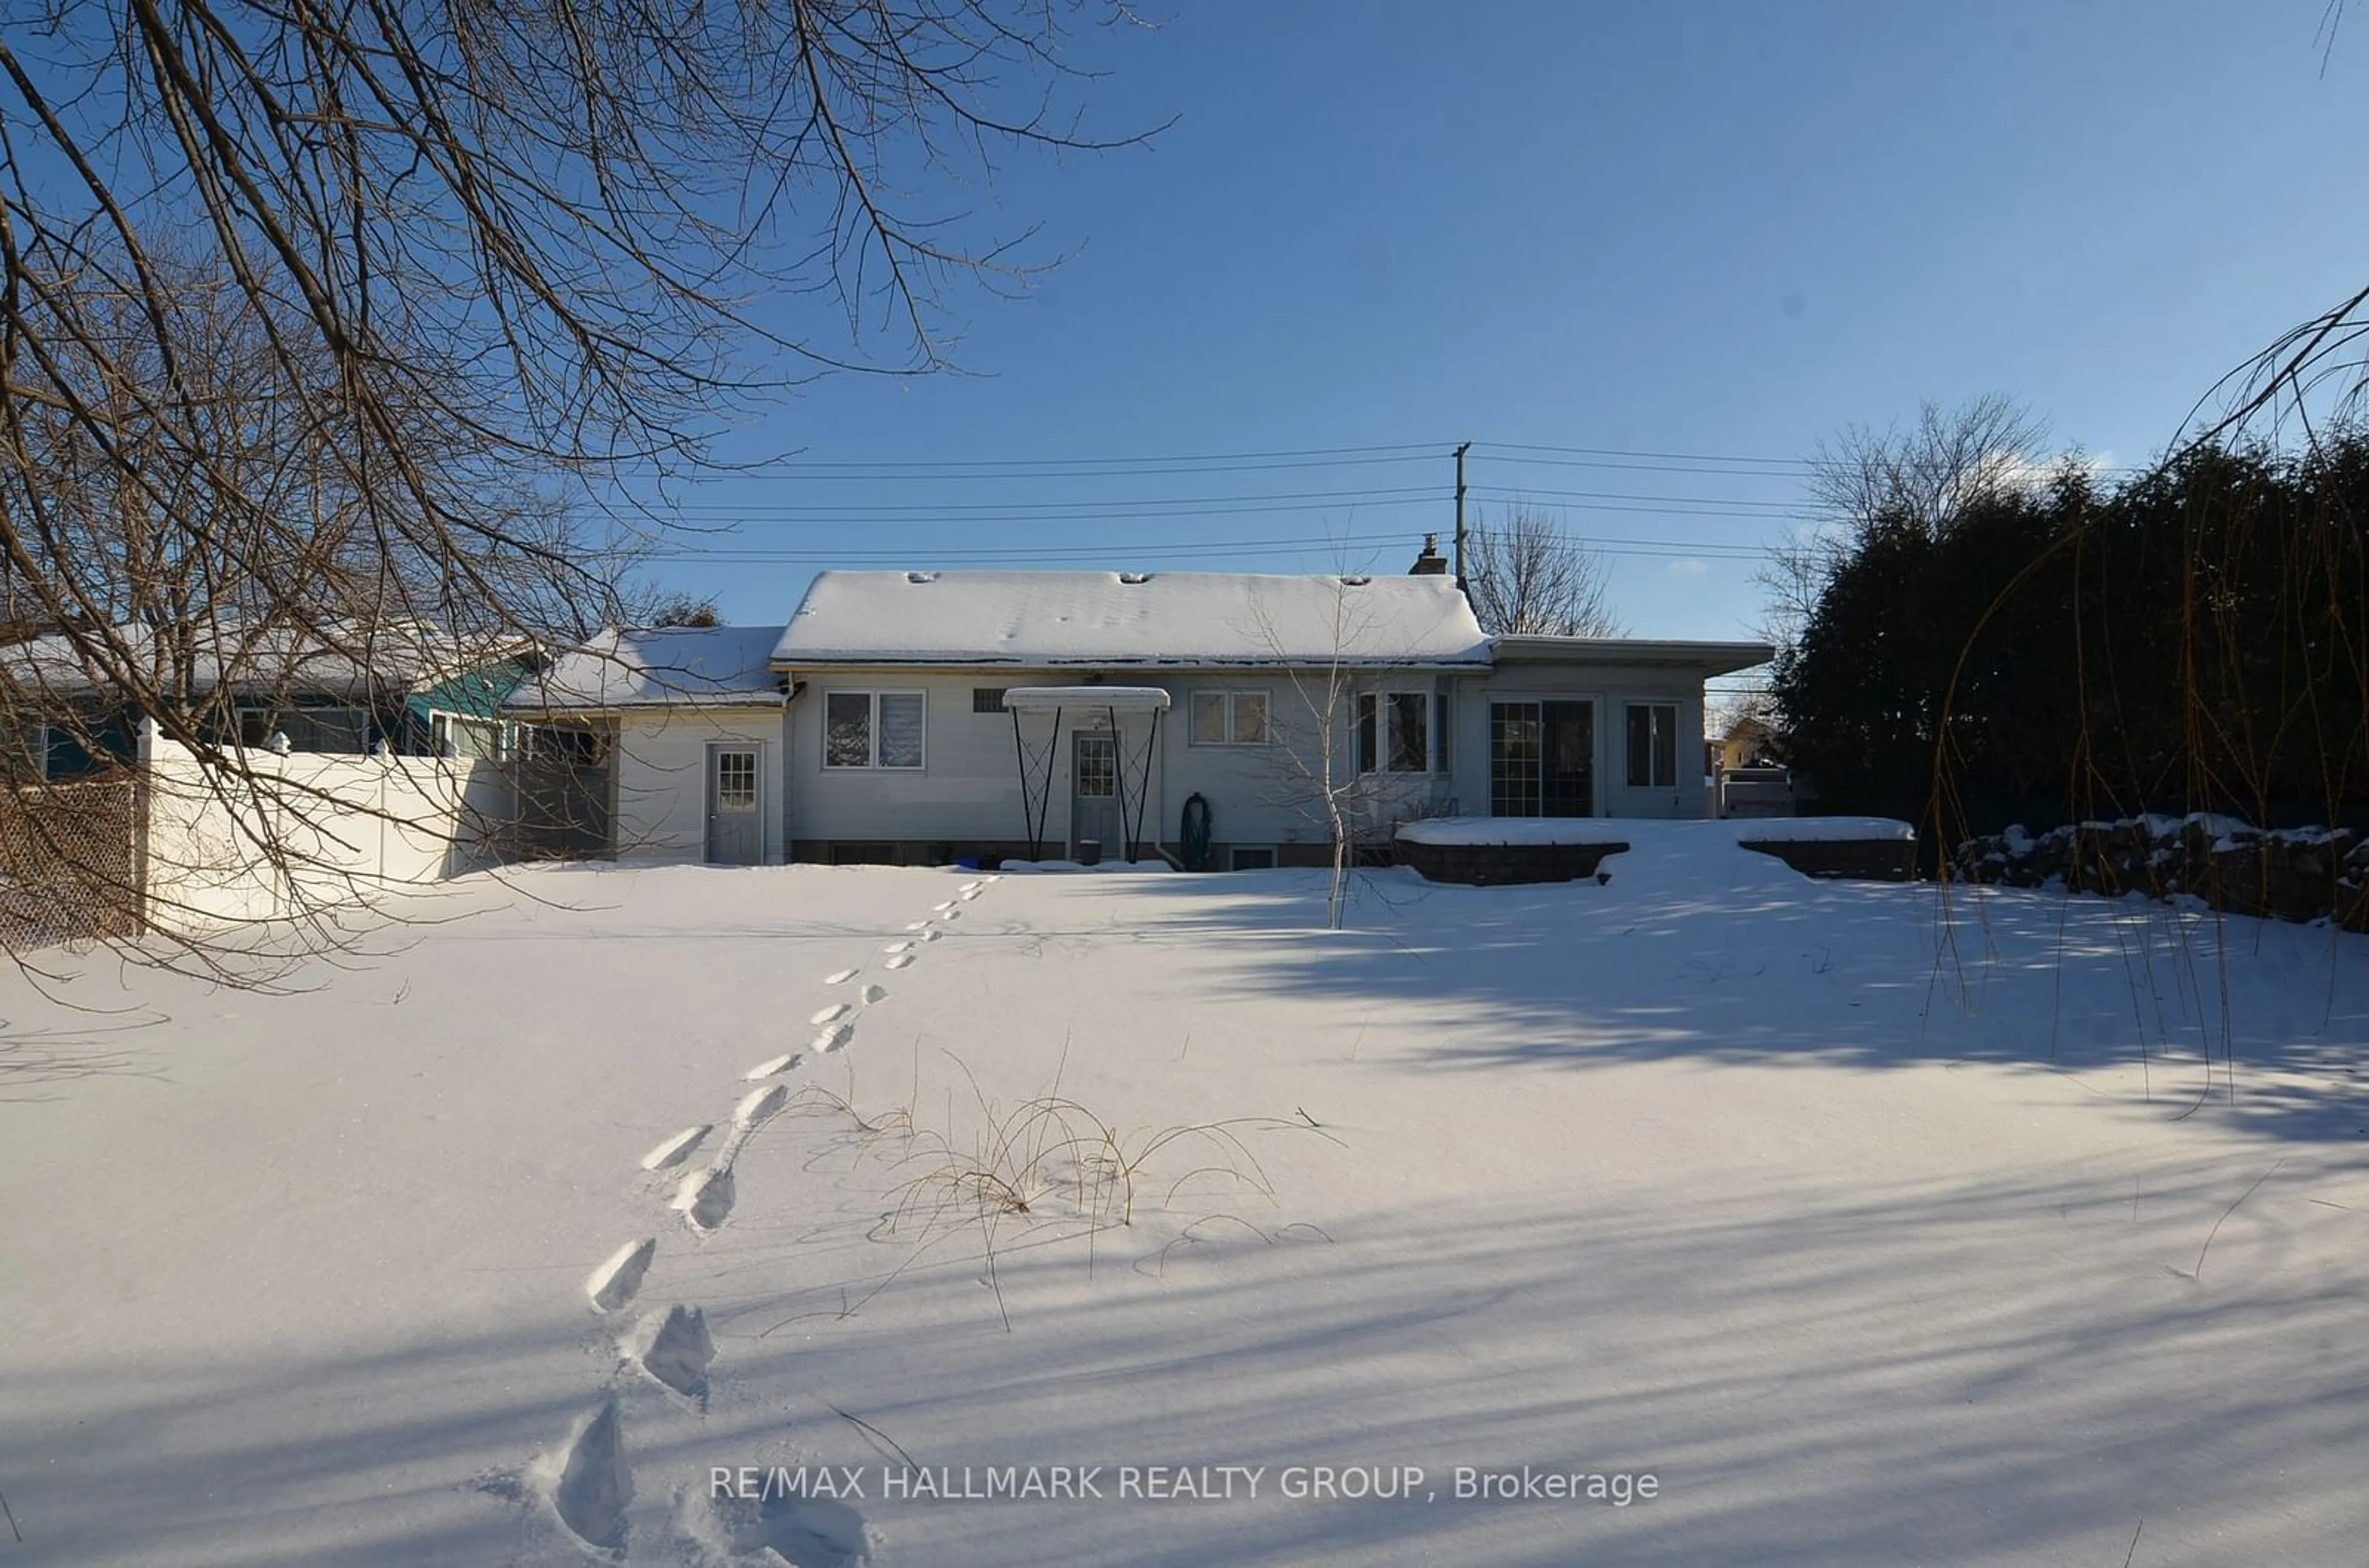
{"x": 1093, "y": 798}
{"x": 736, "y": 813}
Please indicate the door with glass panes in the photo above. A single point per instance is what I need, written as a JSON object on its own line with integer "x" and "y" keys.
{"x": 735, "y": 815}
{"x": 1094, "y": 796}
{"x": 1542, "y": 758}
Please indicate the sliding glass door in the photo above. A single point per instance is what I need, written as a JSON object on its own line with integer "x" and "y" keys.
{"x": 1542, "y": 758}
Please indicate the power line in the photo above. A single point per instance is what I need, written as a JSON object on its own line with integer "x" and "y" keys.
{"x": 1275, "y": 502}
{"x": 1657, "y": 467}
{"x": 1082, "y": 513}
{"x": 1791, "y": 463}
{"x": 1281, "y": 457}
{"x": 1725, "y": 501}
{"x": 736, "y": 554}
{"x": 1112, "y": 468}
{"x": 839, "y": 473}
{"x": 1023, "y": 509}
{"x": 1539, "y": 454}
{"x": 1411, "y": 450}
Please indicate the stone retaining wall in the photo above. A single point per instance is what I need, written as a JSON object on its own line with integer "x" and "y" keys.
{"x": 1870, "y": 860}
{"x": 2303, "y": 874}
{"x": 1486, "y": 865}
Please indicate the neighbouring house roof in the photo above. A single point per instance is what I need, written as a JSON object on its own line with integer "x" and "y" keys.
{"x": 348, "y": 660}
{"x": 1707, "y": 658}
{"x": 1158, "y": 620}
{"x": 670, "y": 666}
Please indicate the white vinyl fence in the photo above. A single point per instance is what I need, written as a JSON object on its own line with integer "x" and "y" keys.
{"x": 309, "y": 832}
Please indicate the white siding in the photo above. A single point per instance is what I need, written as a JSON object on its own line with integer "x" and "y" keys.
{"x": 1612, "y": 688}
{"x": 968, "y": 787}
{"x": 1275, "y": 794}
{"x": 968, "y": 790}
{"x": 661, "y": 778}
{"x": 1253, "y": 792}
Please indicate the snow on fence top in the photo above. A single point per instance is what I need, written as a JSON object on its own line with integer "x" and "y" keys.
{"x": 1620, "y": 829}
{"x": 1045, "y": 699}
{"x": 1169, "y": 619}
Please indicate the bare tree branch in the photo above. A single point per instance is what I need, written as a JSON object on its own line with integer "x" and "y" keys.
{"x": 329, "y": 331}
{"x": 1922, "y": 476}
{"x": 1525, "y": 577}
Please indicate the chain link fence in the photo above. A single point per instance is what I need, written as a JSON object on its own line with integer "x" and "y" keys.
{"x": 70, "y": 869}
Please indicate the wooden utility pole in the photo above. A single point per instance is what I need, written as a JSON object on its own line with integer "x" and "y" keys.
{"x": 1460, "y": 451}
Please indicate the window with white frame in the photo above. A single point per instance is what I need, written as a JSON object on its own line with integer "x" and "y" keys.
{"x": 736, "y": 779}
{"x": 987, "y": 699}
{"x": 1653, "y": 745}
{"x": 1399, "y": 732}
{"x": 1230, "y": 718}
{"x": 874, "y": 729}
{"x": 459, "y": 735}
{"x": 572, "y": 745}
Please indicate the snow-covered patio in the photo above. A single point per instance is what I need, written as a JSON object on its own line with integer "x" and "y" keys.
{"x": 1868, "y": 1246}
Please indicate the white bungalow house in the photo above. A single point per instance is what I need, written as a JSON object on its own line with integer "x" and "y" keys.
{"x": 667, "y": 744}
{"x": 873, "y": 726}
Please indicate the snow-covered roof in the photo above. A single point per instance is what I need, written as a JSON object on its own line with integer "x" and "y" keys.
{"x": 673, "y": 666}
{"x": 1171, "y": 619}
{"x": 347, "y": 657}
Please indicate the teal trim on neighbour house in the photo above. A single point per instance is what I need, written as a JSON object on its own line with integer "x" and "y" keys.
{"x": 472, "y": 693}
{"x": 88, "y": 731}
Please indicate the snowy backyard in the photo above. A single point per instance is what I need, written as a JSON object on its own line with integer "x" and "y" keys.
{"x": 1868, "y": 1244}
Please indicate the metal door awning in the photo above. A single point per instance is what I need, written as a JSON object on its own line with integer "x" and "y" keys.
{"x": 1037, "y": 761}
{"x": 1117, "y": 699}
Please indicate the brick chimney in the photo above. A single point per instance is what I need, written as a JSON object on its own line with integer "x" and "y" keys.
{"x": 1431, "y": 563}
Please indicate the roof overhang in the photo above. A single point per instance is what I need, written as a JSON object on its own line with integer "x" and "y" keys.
{"x": 1706, "y": 659}
{"x": 705, "y": 702}
{"x": 974, "y": 664}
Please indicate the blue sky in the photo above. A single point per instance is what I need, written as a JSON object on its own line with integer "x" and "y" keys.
{"x": 1720, "y": 231}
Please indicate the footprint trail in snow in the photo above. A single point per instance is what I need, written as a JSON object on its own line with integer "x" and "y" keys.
{"x": 675, "y": 1149}
{"x": 590, "y": 1484}
{"x": 705, "y": 1198}
{"x": 612, "y": 1284}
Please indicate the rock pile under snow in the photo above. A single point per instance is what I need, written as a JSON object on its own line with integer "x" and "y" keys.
{"x": 2299, "y": 874}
